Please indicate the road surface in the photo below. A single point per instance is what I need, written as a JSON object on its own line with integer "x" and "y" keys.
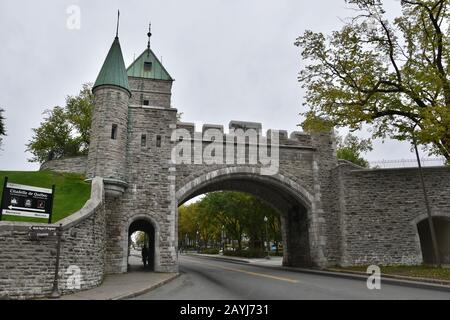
{"x": 207, "y": 279}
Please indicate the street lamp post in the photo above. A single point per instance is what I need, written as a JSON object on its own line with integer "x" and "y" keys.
{"x": 267, "y": 238}
{"x": 427, "y": 204}
{"x": 197, "y": 244}
{"x": 223, "y": 239}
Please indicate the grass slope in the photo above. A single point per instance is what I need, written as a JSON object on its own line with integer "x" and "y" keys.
{"x": 421, "y": 271}
{"x": 71, "y": 192}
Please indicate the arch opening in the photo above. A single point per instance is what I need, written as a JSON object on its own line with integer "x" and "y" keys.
{"x": 141, "y": 246}
{"x": 294, "y": 209}
{"x": 442, "y": 228}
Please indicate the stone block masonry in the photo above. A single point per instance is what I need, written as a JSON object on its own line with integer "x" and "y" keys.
{"x": 69, "y": 165}
{"x": 381, "y": 209}
{"x": 27, "y": 267}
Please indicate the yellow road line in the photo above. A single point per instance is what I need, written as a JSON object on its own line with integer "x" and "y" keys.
{"x": 258, "y": 274}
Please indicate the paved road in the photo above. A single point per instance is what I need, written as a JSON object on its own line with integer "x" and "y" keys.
{"x": 208, "y": 279}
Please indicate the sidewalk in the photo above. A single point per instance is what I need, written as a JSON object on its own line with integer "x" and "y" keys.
{"x": 124, "y": 286}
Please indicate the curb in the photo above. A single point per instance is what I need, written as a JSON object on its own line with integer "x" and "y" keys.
{"x": 398, "y": 277}
{"x": 421, "y": 283}
{"x": 145, "y": 290}
{"x": 387, "y": 279}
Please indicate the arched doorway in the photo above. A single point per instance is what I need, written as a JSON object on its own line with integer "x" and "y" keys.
{"x": 442, "y": 228}
{"x": 294, "y": 207}
{"x": 147, "y": 228}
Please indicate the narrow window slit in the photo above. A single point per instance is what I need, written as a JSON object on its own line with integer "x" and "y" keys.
{"x": 158, "y": 141}
{"x": 114, "y": 132}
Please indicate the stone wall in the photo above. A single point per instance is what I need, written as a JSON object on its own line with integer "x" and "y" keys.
{"x": 381, "y": 209}
{"x": 157, "y": 92}
{"x": 74, "y": 165}
{"x": 27, "y": 267}
{"x": 295, "y": 156}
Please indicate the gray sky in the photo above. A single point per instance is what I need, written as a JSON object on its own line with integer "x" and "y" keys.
{"x": 232, "y": 59}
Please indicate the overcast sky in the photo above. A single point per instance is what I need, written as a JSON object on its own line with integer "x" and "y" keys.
{"x": 232, "y": 59}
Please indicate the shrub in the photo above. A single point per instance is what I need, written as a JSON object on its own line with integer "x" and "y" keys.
{"x": 251, "y": 253}
{"x": 210, "y": 251}
{"x": 280, "y": 253}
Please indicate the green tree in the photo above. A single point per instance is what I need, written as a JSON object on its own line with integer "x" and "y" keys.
{"x": 141, "y": 239}
{"x": 351, "y": 147}
{"x": 79, "y": 115}
{"x": 188, "y": 224}
{"x": 392, "y": 75}
{"x": 53, "y": 139}
{"x": 2, "y": 125}
{"x": 255, "y": 226}
{"x": 64, "y": 131}
{"x": 229, "y": 209}
{"x": 240, "y": 214}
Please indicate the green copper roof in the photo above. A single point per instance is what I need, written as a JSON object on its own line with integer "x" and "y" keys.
{"x": 148, "y": 66}
{"x": 113, "y": 71}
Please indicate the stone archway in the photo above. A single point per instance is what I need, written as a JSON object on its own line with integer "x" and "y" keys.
{"x": 423, "y": 239}
{"x": 295, "y": 204}
{"x": 148, "y": 225}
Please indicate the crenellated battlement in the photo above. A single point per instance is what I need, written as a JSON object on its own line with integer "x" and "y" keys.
{"x": 296, "y": 138}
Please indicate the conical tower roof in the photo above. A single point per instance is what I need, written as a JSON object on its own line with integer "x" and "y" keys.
{"x": 113, "y": 72}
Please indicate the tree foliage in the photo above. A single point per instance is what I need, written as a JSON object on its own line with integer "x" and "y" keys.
{"x": 64, "y": 131}
{"x": 2, "y": 125}
{"x": 79, "y": 115}
{"x": 351, "y": 148}
{"x": 238, "y": 215}
{"x": 141, "y": 239}
{"x": 392, "y": 75}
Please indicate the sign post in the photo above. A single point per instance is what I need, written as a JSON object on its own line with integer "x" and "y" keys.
{"x": 26, "y": 201}
{"x": 51, "y": 205}
{"x": 42, "y": 232}
{"x": 3, "y": 197}
{"x": 55, "y": 291}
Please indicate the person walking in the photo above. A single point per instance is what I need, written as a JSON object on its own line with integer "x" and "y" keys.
{"x": 144, "y": 255}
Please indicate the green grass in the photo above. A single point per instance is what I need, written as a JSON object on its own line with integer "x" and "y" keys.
{"x": 422, "y": 271}
{"x": 71, "y": 192}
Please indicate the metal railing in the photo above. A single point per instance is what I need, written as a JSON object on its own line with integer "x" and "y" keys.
{"x": 407, "y": 163}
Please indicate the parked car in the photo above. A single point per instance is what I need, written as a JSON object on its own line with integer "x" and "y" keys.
{"x": 273, "y": 248}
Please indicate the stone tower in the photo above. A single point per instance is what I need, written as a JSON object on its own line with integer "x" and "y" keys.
{"x": 131, "y": 150}
{"x": 107, "y": 151}
{"x": 150, "y": 82}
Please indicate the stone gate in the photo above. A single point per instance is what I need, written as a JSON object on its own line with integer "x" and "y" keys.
{"x": 332, "y": 212}
{"x": 135, "y": 134}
